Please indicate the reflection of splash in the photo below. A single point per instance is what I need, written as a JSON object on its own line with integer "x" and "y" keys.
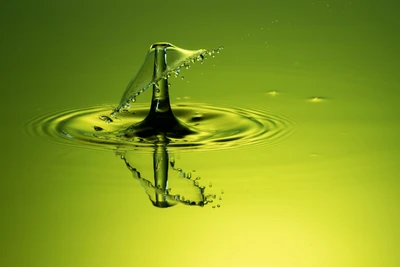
{"x": 182, "y": 187}
{"x": 177, "y": 58}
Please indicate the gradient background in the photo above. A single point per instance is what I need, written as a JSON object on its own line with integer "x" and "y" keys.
{"x": 326, "y": 196}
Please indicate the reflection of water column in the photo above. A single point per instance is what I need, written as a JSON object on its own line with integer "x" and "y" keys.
{"x": 160, "y": 164}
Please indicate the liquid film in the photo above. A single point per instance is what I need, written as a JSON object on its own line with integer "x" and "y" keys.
{"x": 177, "y": 58}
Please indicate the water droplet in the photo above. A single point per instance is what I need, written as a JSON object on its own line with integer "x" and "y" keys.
{"x": 220, "y": 197}
{"x": 106, "y": 119}
{"x": 218, "y": 205}
{"x": 272, "y": 93}
{"x": 316, "y": 99}
{"x": 97, "y": 128}
{"x": 158, "y": 91}
{"x": 213, "y": 206}
{"x": 222, "y": 192}
{"x": 189, "y": 175}
{"x": 210, "y": 184}
{"x": 183, "y": 77}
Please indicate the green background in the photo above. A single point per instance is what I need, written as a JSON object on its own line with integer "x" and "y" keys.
{"x": 328, "y": 195}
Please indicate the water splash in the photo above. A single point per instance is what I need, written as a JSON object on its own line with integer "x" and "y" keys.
{"x": 190, "y": 126}
{"x": 145, "y": 78}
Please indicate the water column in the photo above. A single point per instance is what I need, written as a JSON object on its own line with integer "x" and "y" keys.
{"x": 160, "y": 118}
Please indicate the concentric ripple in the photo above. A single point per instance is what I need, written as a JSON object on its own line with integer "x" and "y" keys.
{"x": 212, "y": 127}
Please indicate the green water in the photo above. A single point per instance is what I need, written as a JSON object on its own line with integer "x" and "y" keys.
{"x": 325, "y": 195}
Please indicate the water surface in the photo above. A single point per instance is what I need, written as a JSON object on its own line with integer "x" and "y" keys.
{"x": 326, "y": 195}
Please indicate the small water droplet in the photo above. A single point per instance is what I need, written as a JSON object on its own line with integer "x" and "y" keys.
{"x": 222, "y": 192}
{"x": 272, "y": 93}
{"x": 106, "y": 119}
{"x": 183, "y": 77}
{"x": 97, "y": 128}
{"x": 316, "y": 99}
{"x": 218, "y": 205}
{"x": 158, "y": 91}
{"x": 189, "y": 175}
{"x": 213, "y": 206}
{"x": 210, "y": 184}
{"x": 220, "y": 197}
